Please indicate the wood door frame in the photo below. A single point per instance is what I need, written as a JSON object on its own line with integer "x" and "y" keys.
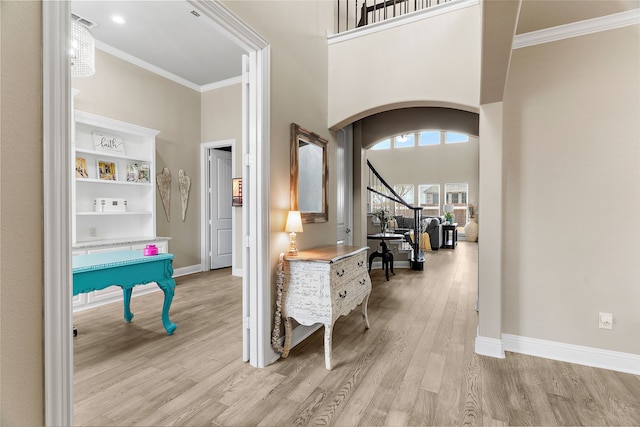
{"x": 205, "y": 214}
{"x": 56, "y": 120}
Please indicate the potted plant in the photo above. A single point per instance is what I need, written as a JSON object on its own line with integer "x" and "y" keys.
{"x": 449, "y": 217}
{"x": 384, "y": 216}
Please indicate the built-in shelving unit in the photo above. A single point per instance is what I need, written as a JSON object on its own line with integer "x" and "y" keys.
{"x": 135, "y": 147}
{"x": 114, "y": 161}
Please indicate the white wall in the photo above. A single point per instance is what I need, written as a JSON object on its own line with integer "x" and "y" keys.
{"x": 21, "y": 216}
{"x": 572, "y": 191}
{"x": 407, "y": 66}
{"x": 296, "y": 32}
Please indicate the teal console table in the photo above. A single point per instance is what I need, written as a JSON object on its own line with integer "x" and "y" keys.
{"x": 126, "y": 269}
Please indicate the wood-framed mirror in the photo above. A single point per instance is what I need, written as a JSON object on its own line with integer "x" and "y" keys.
{"x": 309, "y": 175}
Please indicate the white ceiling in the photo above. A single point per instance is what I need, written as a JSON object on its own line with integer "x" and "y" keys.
{"x": 166, "y": 35}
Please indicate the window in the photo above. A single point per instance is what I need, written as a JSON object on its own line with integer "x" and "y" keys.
{"x": 456, "y": 194}
{"x": 455, "y": 138}
{"x": 404, "y": 140}
{"x": 405, "y": 191}
{"x": 385, "y": 144}
{"x": 429, "y": 199}
{"x": 424, "y": 138}
{"x": 377, "y": 202}
{"x": 429, "y": 137}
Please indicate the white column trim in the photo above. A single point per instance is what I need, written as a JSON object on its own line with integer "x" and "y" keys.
{"x": 56, "y": 118}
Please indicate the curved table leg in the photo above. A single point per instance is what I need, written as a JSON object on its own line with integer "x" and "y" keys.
{"x": 365, "y": 316}
{"x": 126, "y": 293}
{"x": 168, "y": 287}
{"x": 328, "y": 328}
{"x": 371, "y": 258}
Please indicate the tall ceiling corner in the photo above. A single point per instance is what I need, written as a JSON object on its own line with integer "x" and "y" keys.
{"x": 499, "y": 22}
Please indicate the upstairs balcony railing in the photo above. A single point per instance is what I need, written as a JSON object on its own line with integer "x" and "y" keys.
{"x": 359, "y": 13}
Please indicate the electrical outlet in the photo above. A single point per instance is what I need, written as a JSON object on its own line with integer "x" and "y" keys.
{"x": 605, "y": 320}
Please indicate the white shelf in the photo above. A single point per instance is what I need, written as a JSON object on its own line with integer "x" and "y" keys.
{"x": 111, "y": 182}
{"x": 89, "y": 213}
{"x": 112, "y": 155}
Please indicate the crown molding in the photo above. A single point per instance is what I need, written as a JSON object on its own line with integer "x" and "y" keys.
{"x": 575, "y": 29}
{"x": 222, "y": 83}
{"x": 145, "y": 65}
{"x": 164, "y": 73}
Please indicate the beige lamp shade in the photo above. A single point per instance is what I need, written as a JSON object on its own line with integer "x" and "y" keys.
{"x": 294, "y": 222}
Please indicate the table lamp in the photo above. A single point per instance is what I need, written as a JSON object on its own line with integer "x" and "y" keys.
{"x": 294, "y": 225}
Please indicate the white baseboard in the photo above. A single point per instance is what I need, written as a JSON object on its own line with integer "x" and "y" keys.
{"x": 237, "y": 272}
{"x": 183, "y": 271}
{"x": 492, "y": 347}
{"x": 589, "y": 356}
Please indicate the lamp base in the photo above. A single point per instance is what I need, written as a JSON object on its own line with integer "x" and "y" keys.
{"x": 293, "y": 249}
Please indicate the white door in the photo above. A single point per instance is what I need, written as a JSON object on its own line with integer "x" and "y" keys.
{"x": 220, "y": 230}
{"x": 344, "y": 214}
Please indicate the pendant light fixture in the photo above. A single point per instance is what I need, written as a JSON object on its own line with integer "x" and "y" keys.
{"x": 82, "y": 51}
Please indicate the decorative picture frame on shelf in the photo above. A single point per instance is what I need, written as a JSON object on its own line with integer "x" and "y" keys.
{"x": 138, "y": 172}
{"x": 108, "y": 143}
{"x": 106, "y": 171}
{"x": 81, "y": 168}
{"x": 236, "y": 192}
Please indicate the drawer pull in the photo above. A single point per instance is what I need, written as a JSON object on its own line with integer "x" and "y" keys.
{"x": 342, "y": 294}
{"x": 340, "y": 273}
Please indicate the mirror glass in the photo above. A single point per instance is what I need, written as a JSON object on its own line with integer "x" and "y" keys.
{"x": 308, "y": 174}
{"x": 309, "y": 177}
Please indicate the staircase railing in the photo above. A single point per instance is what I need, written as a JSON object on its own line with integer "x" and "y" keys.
{"x": 378, "y": 186}
{"x": 358, "y": 13}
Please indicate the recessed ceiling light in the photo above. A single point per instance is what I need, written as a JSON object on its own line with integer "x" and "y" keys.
{"x": 118, "y": 19}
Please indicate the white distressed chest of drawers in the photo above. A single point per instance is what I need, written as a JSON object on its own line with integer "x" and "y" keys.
{"x": 323, "y": 284}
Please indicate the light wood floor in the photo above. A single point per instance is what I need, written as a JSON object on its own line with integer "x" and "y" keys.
{"x": 415, "y": 366}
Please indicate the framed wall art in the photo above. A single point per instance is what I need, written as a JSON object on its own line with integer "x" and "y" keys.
{"x": 107, "y": 171}
{"x": 108, "y": 143}
{"x": 236, "y": 192}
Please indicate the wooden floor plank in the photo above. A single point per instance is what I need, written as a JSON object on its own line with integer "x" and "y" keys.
{"x": 416, "y": 366}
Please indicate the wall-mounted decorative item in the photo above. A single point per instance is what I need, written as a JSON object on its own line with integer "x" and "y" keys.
{"x": 309, "y": 175}
{"x": 236, "y": 192}
{"x": 184, "y": 184}
{"x": 163, "y": 181}
{"x": 108, "y": 143}
{"x": 107, "y": 171}
{"x": 81, "y": 168}
{"x": 137, "y": 172}
{"x": 82, "y": 52}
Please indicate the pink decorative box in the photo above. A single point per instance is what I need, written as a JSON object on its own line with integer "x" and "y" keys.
{"x": 150, "y": 250}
